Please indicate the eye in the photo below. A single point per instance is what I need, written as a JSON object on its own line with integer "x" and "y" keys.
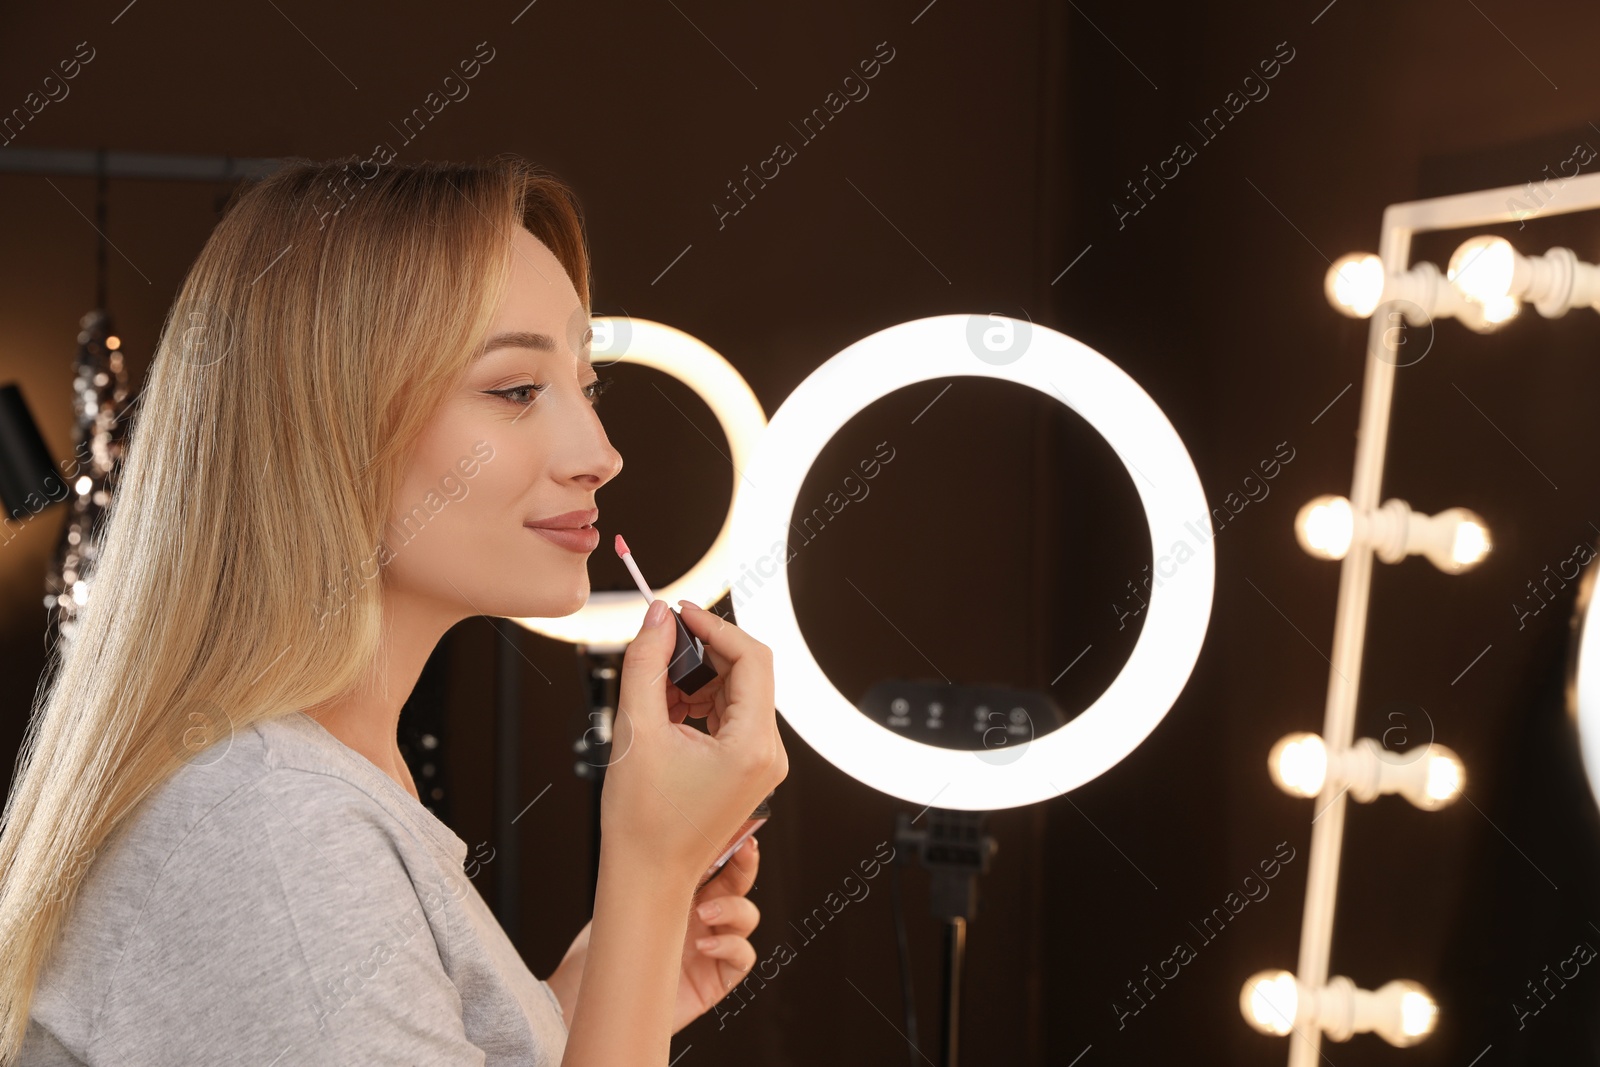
{"x": 512, "y": 394}
{"x": 519, "y": 394}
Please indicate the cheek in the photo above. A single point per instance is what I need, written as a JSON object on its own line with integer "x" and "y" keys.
{"x": 463, "y": 545}
{"x": 440, "y": 510}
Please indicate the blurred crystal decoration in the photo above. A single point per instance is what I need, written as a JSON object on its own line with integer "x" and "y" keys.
{"x": 100, "y": 399}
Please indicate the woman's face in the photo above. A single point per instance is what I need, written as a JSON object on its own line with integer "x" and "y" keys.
{"x": 501, "y": 454}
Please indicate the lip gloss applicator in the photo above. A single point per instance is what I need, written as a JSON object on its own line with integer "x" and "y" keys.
{"x": 689, "y": 670}
{"x": 690, "y": 667}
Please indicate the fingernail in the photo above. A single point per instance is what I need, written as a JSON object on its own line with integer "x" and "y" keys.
{"x": 753, "y": 845}
{"x": 691, "y": 604}
{"x": 705, "y": 943}
{"x": 657, "y": 612}
{"x": 709, "y": 910}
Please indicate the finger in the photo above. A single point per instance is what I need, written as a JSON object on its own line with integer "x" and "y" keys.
{"x": 643, "y": 690}
{"x": 697, "y": 704}
{"x": 733, "y": 953}
{"x": 745, "y": 662}
{"x": 730, "y": 915}
{"x": 679, "y": 709}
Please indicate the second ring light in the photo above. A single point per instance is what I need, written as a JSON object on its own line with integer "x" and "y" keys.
{"x": 1168, "y": 645}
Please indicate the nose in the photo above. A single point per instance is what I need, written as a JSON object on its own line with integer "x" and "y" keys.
{"x": 594, "y": 457}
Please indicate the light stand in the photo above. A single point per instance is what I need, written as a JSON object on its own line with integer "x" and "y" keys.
{"x": 602, "y": 679}
{"x": 955, "y": 850}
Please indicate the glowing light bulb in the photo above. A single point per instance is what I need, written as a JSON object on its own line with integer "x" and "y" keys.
{"x": 1270, "y": 1000}
{"x": 1418, "y": 1013}
{"x": 1325, "y": 527}
{"x": 1431, "y": 777}
{"x": 1299, "y": 764}
{"x": 1445, "y": 776}
{"x": 1500, "y": 310}
{"x": 1354, "y": 284}
{"x": 1471, "y": 543}
{"x": 1455, "y": 540}
{"x": 1484, "y": 268}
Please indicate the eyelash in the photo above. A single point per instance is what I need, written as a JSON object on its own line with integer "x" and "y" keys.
{"x": 593, "y": 391}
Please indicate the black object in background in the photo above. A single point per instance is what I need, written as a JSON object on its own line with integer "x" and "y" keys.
{"x": 26, "y": 470}
{"x": 989, "y": 717}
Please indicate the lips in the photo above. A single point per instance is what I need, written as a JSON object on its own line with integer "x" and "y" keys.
{"x": 573, "y": 531}
{"x": 572, "y": 520}
{"x": 581, "y": 539}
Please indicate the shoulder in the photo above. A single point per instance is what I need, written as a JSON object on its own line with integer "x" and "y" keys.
{"x": 235, "y": 822}
{"x": 282, "y": 913}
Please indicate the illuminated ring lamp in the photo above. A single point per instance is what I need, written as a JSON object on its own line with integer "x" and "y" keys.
{"x": 1583, "y": 678}
{"x": 1180, "y": 606}
{"x": 610, "y": 618}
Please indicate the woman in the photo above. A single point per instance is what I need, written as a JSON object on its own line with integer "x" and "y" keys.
{"x": 369, "y": 394}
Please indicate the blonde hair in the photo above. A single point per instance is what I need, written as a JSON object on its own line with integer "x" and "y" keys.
{"x": 322, "y": 324}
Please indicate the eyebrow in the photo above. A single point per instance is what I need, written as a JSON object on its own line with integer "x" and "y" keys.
{"x": 519, "y": 339}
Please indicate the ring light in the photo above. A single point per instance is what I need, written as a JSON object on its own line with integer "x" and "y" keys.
{"x": 610, "y": 619}
{"x": 1583, "y": 679}
{"x": 1175, "y": 507}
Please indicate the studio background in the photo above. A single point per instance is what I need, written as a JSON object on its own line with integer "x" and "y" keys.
{"x": 986, "y": 170}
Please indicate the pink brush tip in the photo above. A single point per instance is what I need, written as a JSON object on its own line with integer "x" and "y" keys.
{"x": 622, "y": 546}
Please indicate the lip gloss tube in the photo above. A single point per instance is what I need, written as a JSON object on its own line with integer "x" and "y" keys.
{"x": 756, "y": 820}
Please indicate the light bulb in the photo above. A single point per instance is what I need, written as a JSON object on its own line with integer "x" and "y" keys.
{"x": 1500, "y": 310}
{"x": 1270, "y": 1000}
{"x": 1444, "y": 777}
{"x": 1484, "y": 318}
{"x": 1484, "y": 269}
{"x": 1354, "y": 284}
{"x": 1325, "y": 527}
{"x": 1471, "y": 542}
{"x": 1401, "y": 1012}
{"x": 1431, "y": 776}
{"x": 1299, "y": 764}
{"x": 1489, "y": 272}
{"x": 1418, "y": 1013}
{"x": 1455, "y": 540}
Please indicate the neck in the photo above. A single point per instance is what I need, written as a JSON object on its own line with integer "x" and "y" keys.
{"x": 368, "y": 718}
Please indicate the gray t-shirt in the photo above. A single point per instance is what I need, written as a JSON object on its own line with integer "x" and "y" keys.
{"x": 279, "y": 900}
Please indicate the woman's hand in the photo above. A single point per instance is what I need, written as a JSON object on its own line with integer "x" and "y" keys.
{"x": 710, "y": 972}
{"x": 675, "y": 795}
{"x": 707, "y": 974}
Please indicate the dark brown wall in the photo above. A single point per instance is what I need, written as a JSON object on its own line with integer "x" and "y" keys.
{"x": 986, "y": 159}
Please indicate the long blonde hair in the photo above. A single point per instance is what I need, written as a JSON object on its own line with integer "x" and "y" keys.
{"x": 323, "y": 322}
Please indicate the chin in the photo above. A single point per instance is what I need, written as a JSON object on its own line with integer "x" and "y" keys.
{"x": 571, "y": 603}
{"x": 542, "y": 602}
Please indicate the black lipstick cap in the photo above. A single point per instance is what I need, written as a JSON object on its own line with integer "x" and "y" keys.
{"x": 690, "y": 667}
